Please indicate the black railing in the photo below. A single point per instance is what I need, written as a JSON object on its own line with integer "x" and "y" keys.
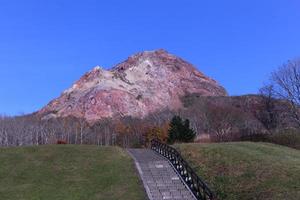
{"x": 196, "y": 185}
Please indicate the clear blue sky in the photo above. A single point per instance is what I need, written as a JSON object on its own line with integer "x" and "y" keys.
{"x": 46, "y": 45}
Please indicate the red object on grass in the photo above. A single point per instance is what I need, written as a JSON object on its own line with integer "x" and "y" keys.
{"x": 61, "y": 142}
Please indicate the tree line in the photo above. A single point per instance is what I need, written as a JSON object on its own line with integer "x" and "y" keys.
{"x": 274, "y": 110}
{"x": 125, "y": 132}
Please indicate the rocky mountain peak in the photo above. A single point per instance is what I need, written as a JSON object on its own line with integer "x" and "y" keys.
{"x": 158, "y": 57}
{"x": 144, "y": 83}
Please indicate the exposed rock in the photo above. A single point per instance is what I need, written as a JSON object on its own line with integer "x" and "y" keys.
{"x": 146, "y": 82}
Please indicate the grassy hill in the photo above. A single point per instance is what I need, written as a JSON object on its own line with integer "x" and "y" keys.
{"x": 68, "y": 173}
{"x": 247, "y": 170}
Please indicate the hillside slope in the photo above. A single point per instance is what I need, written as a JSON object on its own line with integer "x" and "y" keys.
{"x": 68, "y": 173}
{"x": 247, "y": 170}
{"x": 145, "y": 83}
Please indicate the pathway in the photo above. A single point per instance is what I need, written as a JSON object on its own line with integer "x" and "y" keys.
{"x": 159, "y": 177}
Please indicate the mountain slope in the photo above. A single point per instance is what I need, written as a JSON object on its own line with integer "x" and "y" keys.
{"x": 146, "y": 82}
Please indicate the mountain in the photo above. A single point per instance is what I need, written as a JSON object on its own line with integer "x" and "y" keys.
{"x": 146, "y": 82}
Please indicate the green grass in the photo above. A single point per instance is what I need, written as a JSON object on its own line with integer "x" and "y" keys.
{"x": 246, "y": 170}
{"x": 68, "y": 173}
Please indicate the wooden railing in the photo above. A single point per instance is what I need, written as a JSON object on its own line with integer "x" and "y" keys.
{"x": 192, "y": 180}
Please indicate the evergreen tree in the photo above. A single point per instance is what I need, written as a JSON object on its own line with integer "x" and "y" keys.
{"x": 180, "y": 131}
{"x": 174, "y": 130}
{"x": 188, "y": 134}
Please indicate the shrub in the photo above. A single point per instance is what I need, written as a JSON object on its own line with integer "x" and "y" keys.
{"x": 257, "y": 137}
{"x": 288, "y": 137}
{"x": 155, "y": 133}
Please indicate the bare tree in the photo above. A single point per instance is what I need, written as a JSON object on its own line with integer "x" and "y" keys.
{"x": 3, "y": 132}
{"x": 286, "y": 83}
{"x": 267, "y": 114}
{"x": 223, "y": 121}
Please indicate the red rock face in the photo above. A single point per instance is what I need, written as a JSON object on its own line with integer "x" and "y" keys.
{"x": 146, "y": 82}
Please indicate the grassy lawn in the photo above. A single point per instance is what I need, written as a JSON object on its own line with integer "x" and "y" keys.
{"x": 68, "y": 173}
{"x": 247, "y": 170}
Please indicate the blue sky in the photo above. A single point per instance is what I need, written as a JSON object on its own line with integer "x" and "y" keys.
{"x": 47, "y": 45}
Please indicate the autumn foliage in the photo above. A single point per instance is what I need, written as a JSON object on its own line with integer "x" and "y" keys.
{"x": 155, "y": 132}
